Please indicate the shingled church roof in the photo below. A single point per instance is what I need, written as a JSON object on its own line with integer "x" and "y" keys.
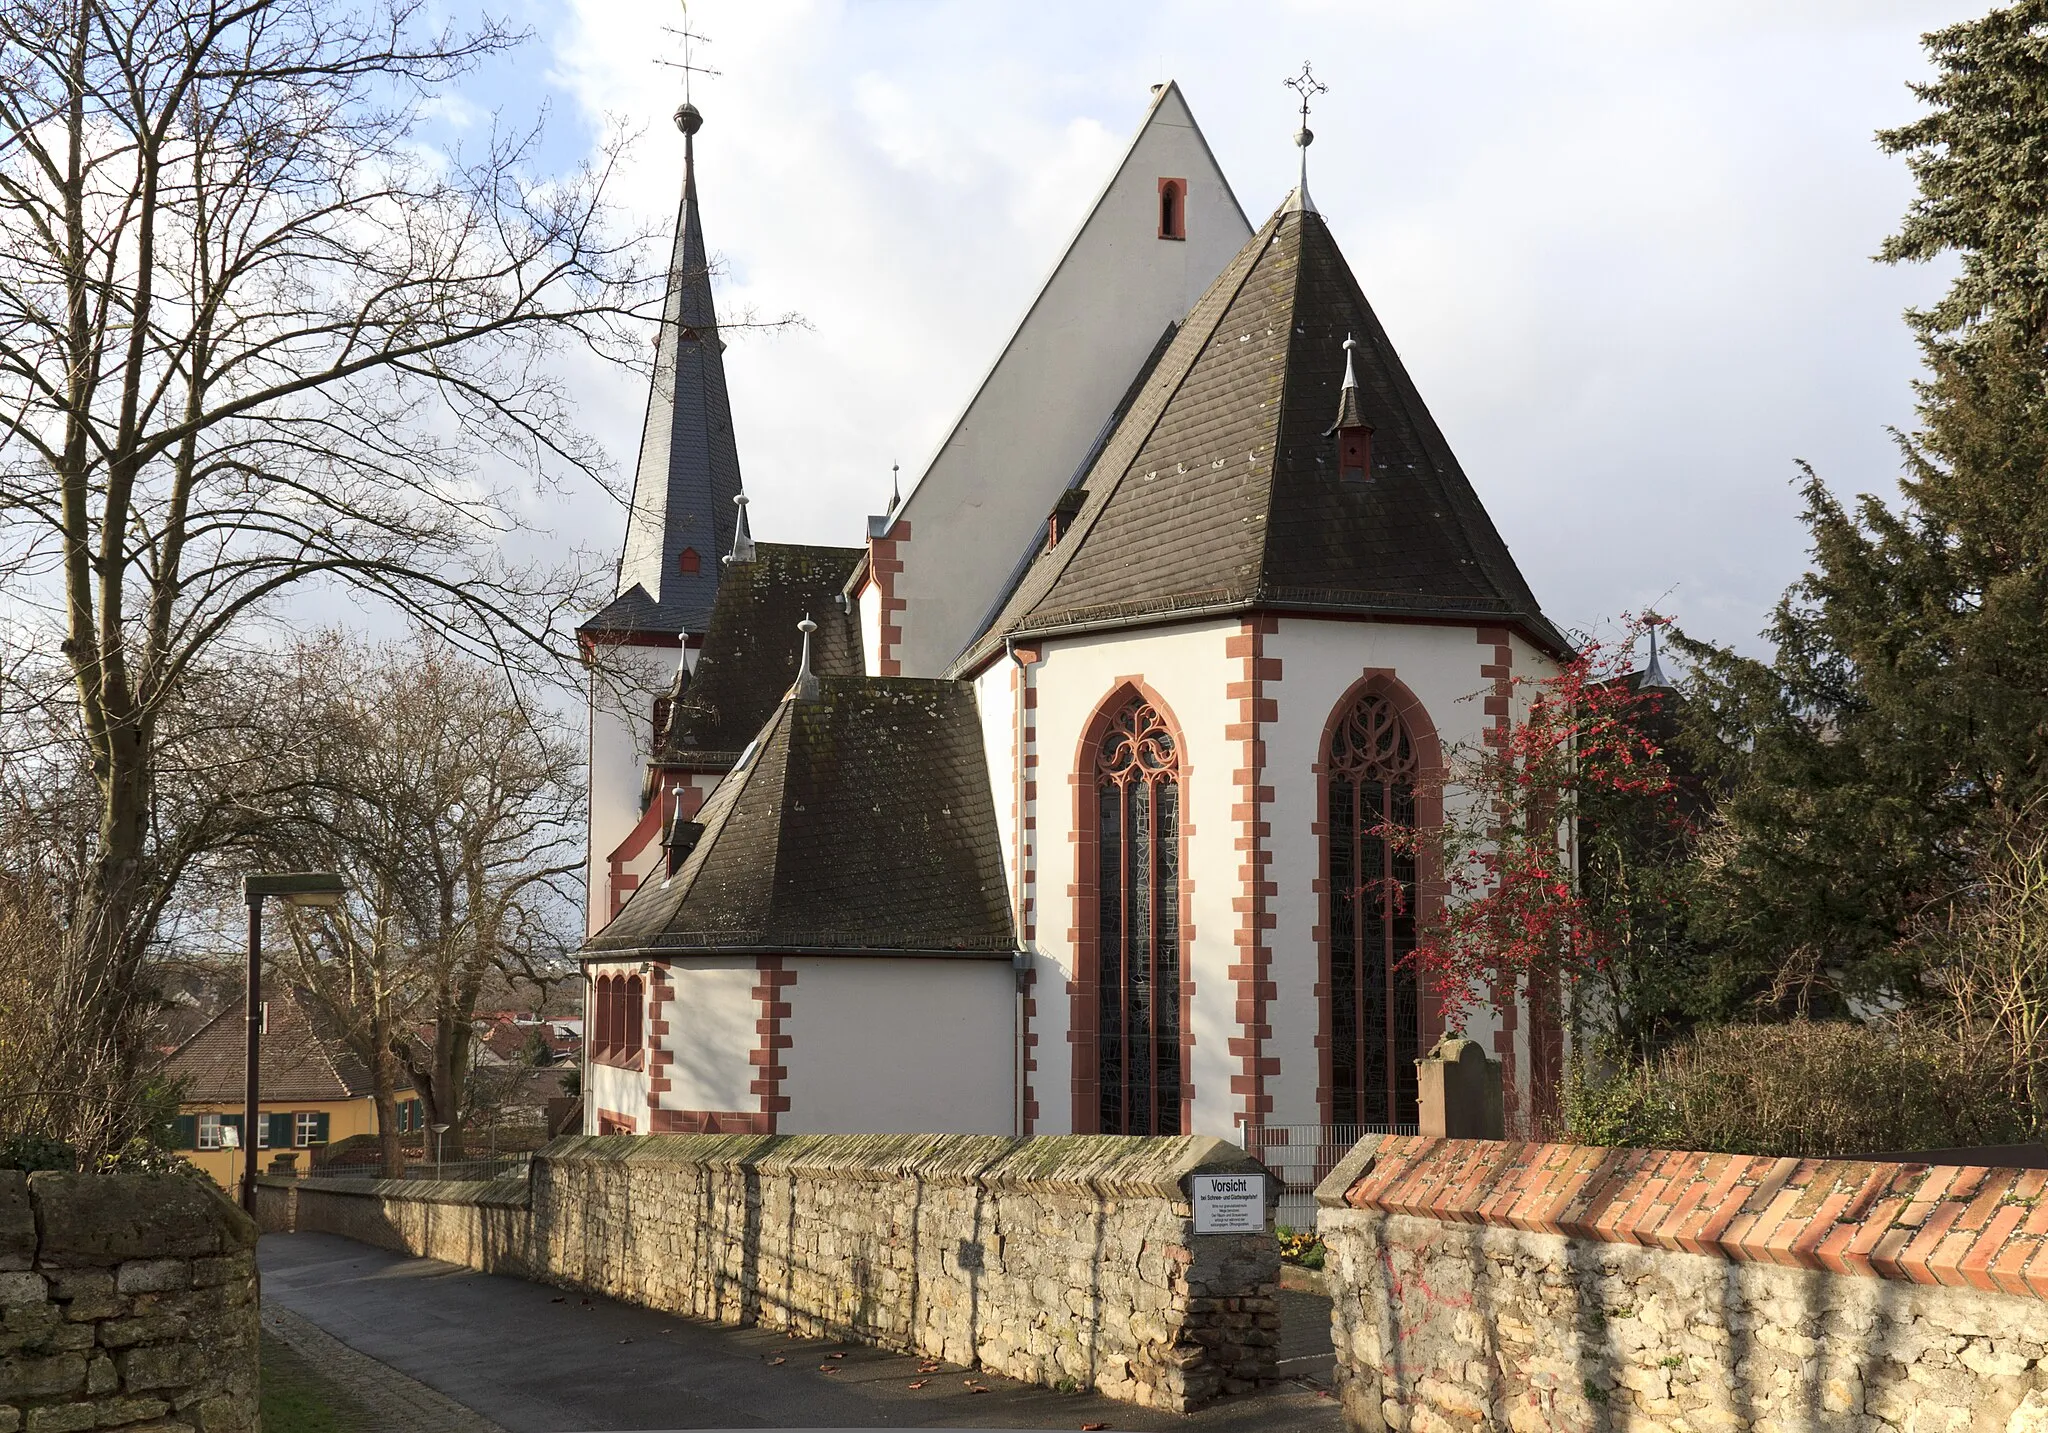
{"x": 860, "y": 822}
{"x": 1220, "y": 491}
{"x": 749, "y": 656}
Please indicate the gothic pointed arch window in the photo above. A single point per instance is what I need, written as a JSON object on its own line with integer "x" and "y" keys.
{"x": 1375, "y": 1006}
{"x": 1137, "y": 817}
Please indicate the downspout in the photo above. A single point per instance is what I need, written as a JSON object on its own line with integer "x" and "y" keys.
{"x": 1022, "y": 960}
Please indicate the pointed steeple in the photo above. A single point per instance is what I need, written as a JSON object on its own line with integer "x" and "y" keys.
{"x": 689, "y": 471}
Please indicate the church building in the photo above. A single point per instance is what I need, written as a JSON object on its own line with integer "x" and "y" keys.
{"x": 1051, "y": 807}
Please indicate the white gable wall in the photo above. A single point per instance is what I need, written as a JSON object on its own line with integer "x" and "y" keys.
{"x": 993, "y": 481}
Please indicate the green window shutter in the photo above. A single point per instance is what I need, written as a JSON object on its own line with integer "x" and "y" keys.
{"x": 320, "y": 1129}
{"x": 280, "y": 1131}
{"x": 187, "y": 1136}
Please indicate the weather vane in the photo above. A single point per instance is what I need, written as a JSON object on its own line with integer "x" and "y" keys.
{"x": 1306, "y": 85}
{"x": 690, "y": 39}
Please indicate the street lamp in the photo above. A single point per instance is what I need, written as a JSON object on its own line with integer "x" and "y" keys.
{"x": 298, "y": 888}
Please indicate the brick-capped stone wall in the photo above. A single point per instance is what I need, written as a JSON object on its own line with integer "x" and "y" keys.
{"x": 1069, "y": 1261}
{"x": 1483, "y": 1285}
{"x": 125, "y": 1300}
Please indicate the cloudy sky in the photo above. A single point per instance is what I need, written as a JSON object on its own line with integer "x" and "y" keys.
{"x": 1623, "y": 245}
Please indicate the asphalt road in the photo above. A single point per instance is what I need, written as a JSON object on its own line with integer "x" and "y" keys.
{"x": 533, "y": 1360}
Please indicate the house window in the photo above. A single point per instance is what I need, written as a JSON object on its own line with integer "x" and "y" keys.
{"x": 209, "y": 1132}
{"x": 1137, "y": 857}
{"x": 306, "y": 1130}
{"x": 263, "y": 1131}
{"x": 1375, "y": 1007}
{"x": 1173, "y": 195}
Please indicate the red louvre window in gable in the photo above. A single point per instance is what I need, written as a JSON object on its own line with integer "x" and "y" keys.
{"x": 1173, "y": 216}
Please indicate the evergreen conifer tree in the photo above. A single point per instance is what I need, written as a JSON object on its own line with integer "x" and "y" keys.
{"x": 1903, "y": 722}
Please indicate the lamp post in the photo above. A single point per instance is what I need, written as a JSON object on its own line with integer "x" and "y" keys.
{"x": 298, "y": 888}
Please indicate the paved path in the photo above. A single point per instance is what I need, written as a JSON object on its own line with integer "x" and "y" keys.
{"x": 533, "y": 1360}
{"x": 390, "y": 1402}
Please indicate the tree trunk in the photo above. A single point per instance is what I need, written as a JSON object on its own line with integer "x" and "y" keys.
{"x": 384, "y": 1080}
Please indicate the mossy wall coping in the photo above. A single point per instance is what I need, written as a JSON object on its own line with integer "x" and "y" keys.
{"x": 493, "y": 1193}
{"x": 97, "y": 1220}
{"x": 1120, "y": 1165}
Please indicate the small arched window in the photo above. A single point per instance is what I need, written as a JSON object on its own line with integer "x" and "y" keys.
{"x": 601, "y": 1034}
{"x": 1138, "y": 860}
{"x": 634, "y": 992}
{"x": 1375, "y": 1011}
{"x": 1173, "y": 208}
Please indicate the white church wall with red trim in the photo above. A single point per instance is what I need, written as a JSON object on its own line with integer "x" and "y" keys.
{"x": 1053, "y": 386}
{"x": 1321, "y": 661}
{"x": 1187, "y": 668}
{"x": 712, "y": 1015}
{"x": 613, "y": 1090}
{"x": 899, "y": 1045}
{"x": 621, "y": 710}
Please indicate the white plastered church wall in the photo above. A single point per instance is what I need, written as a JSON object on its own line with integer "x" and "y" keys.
{"x": 711, "y": 1016}
{"x": 899, "y": 1045}
{"x": 1188, "y": 670}
{"x": 623, "y": 686}
{"x": 1050, "y": 391}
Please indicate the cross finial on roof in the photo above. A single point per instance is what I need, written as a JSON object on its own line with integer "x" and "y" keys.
{"x": 895, "y": 487}
{"x": 689, "y": 67}
{"x": 1350, "y": 373}
{"x": 1307, "y": 86}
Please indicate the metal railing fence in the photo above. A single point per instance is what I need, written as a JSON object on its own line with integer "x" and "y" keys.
{"x": 1300, "y": 1155}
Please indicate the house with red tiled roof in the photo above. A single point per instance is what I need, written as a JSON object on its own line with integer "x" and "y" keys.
{"x": 315, "y": 1089}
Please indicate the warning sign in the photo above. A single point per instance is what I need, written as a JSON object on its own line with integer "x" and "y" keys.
{"x": 1230, "y": 1203}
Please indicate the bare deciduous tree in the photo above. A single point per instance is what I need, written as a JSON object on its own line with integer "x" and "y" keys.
{"x": 255, "y": 335}
{"x": 451, "y": 807}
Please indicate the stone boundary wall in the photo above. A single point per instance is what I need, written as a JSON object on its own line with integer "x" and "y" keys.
{"x": 1065, "y": 1261}
{"x": 125, "y": 1301}
{"x": 1482, "y": 1285}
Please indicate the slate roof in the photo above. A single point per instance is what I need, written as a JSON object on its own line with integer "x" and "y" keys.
{"x": 751, "y": 647}
{"x": 1219, "y": 491}
{"x": 689, "y": 469}
{"x": 302, "y": 1058}
{"x": 859, "y": 823}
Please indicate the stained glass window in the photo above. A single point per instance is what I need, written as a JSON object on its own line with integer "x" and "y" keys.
{"x": 1375, "y": 1001}
{"x": 1137, "y": 810}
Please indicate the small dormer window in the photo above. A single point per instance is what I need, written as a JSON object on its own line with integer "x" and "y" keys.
{"x": 1173, "y": 217}
{"x": 689, "y": 562}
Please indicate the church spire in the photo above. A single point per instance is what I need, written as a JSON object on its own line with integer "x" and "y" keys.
{"x": 689, "y": 470}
